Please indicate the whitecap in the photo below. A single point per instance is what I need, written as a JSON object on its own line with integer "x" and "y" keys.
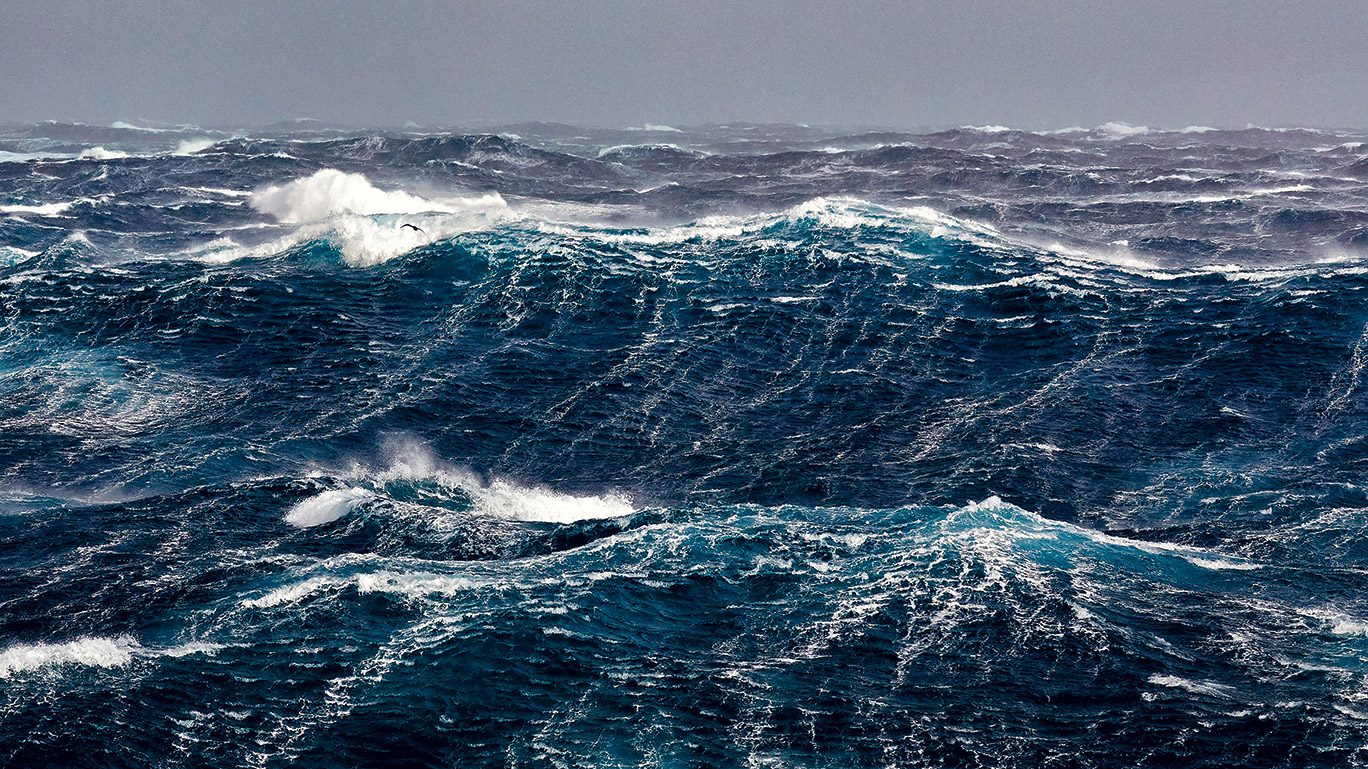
{"x": 538, "y": 503}
{"x": 100, "y": 153}
{"x": 291, "y": 593}
{"x": 498, "y": 497}
{"x": 194, "y": 647}
{"x": 414, "y": 584}
{"x": 365, "y": 222}
{"x": 1208, "y": 688}
{"x": 44, "y": 209}
{"x": 191, "y": 146}
{"x": 1200, "y": 557}
{"x": 326, "y": 507}
{"x": 1337, "y": 623}
{"x": 91, "y": 651}
{"x": 1122, "y": 130}
{"x": 329, "y": 192}
{"x": 124, "y": 125}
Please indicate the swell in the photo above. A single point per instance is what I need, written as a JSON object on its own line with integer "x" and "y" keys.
{"x": 920, "y": 614}
{"x": 572, "y": 446}
{"x": 840, "y": 353}
{"x": 1247, "y": 196}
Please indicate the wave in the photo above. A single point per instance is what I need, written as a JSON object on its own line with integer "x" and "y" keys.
{"x": 1025, "y": 524}
{"x": 41, "y": 209}
{"x": 683, "y": 423}
{"x": 90, "y": 651}
{"x": 830, "y": 213}
{"x": 365, "y": 222}
{"x": 100, "y": 153}
{"x": 95, "y": 399}
{"x": 326, "y": 507}
{"x": 1122, "y": 130}
{"x": 330, "y": 192}
{"x": 191, "y": 146}
{"x": 412, "y": 462}
{"x": 1205, "y": 688}
{"x": 407, "y": 584}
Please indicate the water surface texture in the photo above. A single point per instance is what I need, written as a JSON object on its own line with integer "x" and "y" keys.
{"x": 754, "y": 446}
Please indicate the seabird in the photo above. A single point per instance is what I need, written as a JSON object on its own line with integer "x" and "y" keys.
{"x": 415, "y": 227}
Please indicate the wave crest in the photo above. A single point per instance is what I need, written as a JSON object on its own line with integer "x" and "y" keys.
{"x": 330, "y": 192}
{"x": 440, "y": 483}
{"x": 362, "y": 220}
{"x": 89, "y": 651}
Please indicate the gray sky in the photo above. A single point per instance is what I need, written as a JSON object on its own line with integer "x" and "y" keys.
{"x": 1025, "y": 63}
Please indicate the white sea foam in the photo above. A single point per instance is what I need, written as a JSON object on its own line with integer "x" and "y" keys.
{"x": 20, "y": 157}
{"x": 10, "y": 256}
{"x": 45, "y": 209}
{"x": 364, "y": 220}
{"x": 1208, "y": 688}
{"x": 1200, "y": 557}
{"x": 90, "y": 651}
{"x": 414, "y": 584}
{"x": 1349, "y": 626}
{"x": 500, "y": 498}
{"x": 329, "y": 192}
{"x": 326, "y": 507}
{"x": 845, "y": 213}
{"x": 100, "y": 153}
{"x": 191, "y": 146}
{"x": 1337, "y": 623}
{"x": 95, "y": 399}
{"x": 292, "y": 593}
{"x": 194, "y": 647}
{"x": 223, "y": 191}
{"x": 538, "y": 503}
{"x": 148, "y": 129}
{"x": 652, "y": 146}
{"x": 1122, "y": 130}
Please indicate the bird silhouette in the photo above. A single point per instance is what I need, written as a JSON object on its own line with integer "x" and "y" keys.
{"x": 413, "y": 227}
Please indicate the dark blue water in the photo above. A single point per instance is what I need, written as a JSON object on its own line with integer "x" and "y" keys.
{"x": 766, "y": 446}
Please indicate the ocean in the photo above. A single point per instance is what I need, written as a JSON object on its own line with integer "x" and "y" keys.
{"x": 728, "y": 446}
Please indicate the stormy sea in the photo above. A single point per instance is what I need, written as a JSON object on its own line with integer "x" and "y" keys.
{"x": 730, "y": 446}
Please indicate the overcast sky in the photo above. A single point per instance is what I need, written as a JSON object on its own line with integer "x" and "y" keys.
{"x": 1023, "y": 63}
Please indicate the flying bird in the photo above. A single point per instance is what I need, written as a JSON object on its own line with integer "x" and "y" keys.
{"x": 414, "y": 227}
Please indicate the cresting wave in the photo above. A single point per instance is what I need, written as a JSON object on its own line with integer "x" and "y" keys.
{"x": 416, "y": 471}
{"x": 368, "y": 224}
{"x": 93, "y": 652}
{"x": 655, "y": 447}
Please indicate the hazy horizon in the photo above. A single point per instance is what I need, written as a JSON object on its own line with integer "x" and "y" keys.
{"x": 1044, "y": 64}
{"x": 310, "y": 123}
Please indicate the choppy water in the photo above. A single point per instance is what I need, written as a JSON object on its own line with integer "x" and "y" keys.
{"x": 736, "y": 446}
